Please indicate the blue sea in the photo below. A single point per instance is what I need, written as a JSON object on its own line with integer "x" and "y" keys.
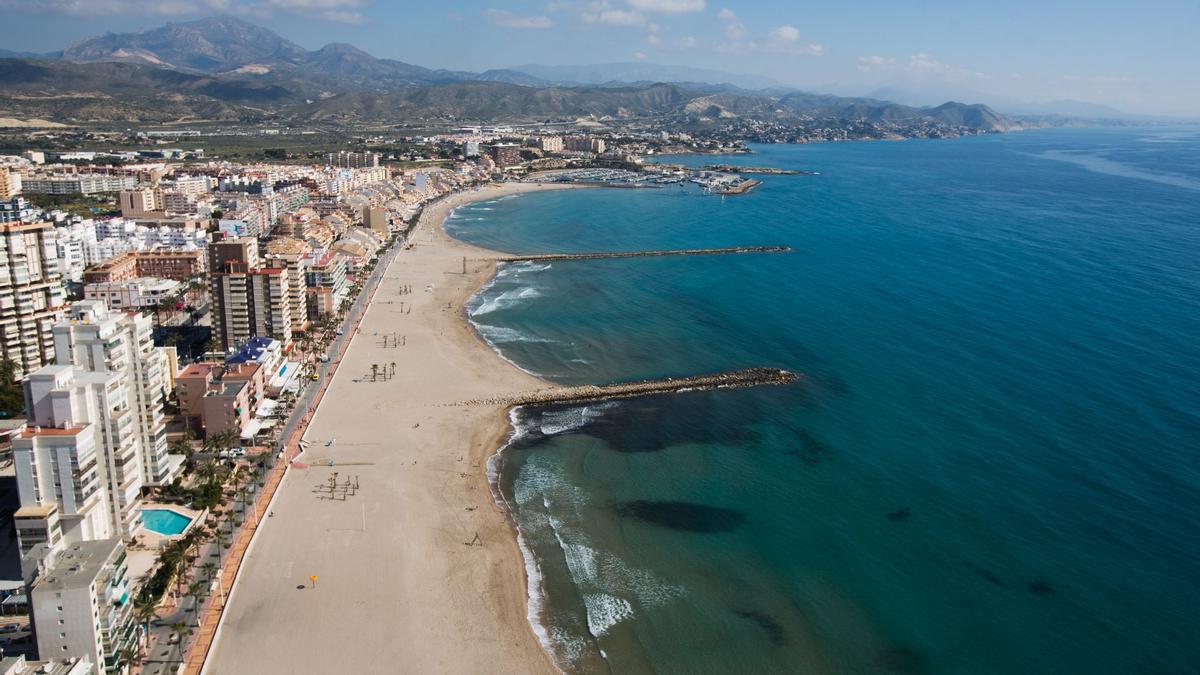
{"x": 990, "y": 463}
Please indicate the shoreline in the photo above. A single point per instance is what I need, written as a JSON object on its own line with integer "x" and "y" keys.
{"x": 450, "y": 588}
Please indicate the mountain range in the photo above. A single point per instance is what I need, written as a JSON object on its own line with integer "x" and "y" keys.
{"x": 226, "y": 69}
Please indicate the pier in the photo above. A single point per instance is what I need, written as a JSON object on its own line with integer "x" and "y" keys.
{"x": 549, "y": 257}
{"x": 734, "y": 379}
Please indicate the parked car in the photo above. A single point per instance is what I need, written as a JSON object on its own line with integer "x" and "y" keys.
{"x": 10, "y": 628}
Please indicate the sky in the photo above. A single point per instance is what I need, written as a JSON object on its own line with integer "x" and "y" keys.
{"x": 1137, "y": 56}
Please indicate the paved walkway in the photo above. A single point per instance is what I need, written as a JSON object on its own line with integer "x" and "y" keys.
{"x": 205, "y": 635}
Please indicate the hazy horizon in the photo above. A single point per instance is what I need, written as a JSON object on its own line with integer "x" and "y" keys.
{"x": 1108, "y": 53}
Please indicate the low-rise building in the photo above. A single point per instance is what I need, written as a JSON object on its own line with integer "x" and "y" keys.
{"x": 140, "y": 293}
{"x": 217, "y": 397}
{"x": 17, "y": 209}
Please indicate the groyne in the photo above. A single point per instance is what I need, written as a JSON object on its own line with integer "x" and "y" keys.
{"x": 734, "y": 379}
{"x": 549, "y": 257}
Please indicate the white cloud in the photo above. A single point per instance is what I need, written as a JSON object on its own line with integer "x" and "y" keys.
{"x": 653, "y": 39}
{"x": 727, "y": 15}
{"x": 783, "y": 39}
{"x": 507, "y": 19}
{"x": 667, "y": 6}
{"x": 615, "y": 17}
{"x": 686, "y": 42}
{"x": 640, "y": 56}
{"x": 922, "y": 62}
{"x": 786, "y": 34}
{"x": 867, "y": 64}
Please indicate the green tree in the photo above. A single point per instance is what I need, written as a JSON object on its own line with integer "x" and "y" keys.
{"x": 12, "y": 395}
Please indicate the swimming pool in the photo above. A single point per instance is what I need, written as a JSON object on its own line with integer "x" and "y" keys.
{"x": 165, "y": 521}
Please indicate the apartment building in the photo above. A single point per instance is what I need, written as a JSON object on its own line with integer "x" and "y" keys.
{"x": 139, "y": 293}
{"x": 505, "y": 154}
{"x": 292, "y": 255}
{"x": 550, "y": 143}
{"x": 17, "y": 209}
{"x": 249, "y": 303}
{"x": 143, "y": 203}
{"x": 10, "y": 183}
{"x": 79, "y": 183}
{"x": 97, "y": 340}
{"x": 31, "y": 294}
{"x": 220, "y": 397}
{"x": 327, "y": 285}
{"x": 245, "y": 299}
{"x": 80, "y": 608}
{"x": 80, "y": 454}
{"x": 375, "y": 218}
{"x": 346, "y": 159}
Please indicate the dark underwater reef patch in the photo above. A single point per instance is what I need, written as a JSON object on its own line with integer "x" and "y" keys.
{"x": 986, "y": 574}
{"x": 809, "y": 449}
{"x": 769, "y": 626}
{"x": 1041, "y": 587}
{"x": 681, "y": 516}
{"x": 899, "y": 515}
{"x": 901, "y": 660}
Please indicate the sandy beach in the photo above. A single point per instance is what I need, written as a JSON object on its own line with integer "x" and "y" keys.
{"x": 419, "y": 570}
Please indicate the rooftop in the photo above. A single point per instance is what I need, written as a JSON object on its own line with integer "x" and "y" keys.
{"x": 34, "y": 432}
{"x": 252, "y": 350}
{"x": 79, "y": 565}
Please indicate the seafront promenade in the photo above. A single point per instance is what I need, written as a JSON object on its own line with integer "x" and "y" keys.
{"x": 210, "y": 620}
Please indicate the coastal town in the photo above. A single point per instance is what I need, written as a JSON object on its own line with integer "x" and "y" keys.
{"x": 172, "y": 319}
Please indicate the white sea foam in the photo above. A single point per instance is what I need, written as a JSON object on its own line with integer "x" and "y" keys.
{"x": 535, "y": 591}
{"x": 506, "y": 300}
{"x": 605, "y": 611}
{"x": 569, "y": 419}
{"x": 504, "y": 334}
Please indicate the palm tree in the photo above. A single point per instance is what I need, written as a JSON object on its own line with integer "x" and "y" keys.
{"x": 197, "y": 589}
{"x": 208, "y": 472}
{"x": 210, "y": 570}
{"x": 222, "y": 538}
{"x": 144, "y": 609}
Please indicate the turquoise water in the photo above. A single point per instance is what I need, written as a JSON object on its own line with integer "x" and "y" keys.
{"x": 165, "y": 521}
{"x": 990, "y": 464}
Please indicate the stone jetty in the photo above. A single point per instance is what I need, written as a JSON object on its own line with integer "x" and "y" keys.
{"x": 750, "y": 377}
{"x": 548, "y": 257}
{"x": 734, "y": 168}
